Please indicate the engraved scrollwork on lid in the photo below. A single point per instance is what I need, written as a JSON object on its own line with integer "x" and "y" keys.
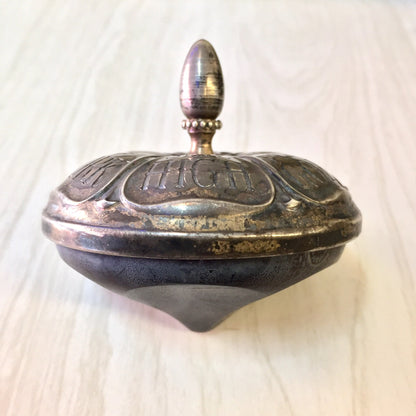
{"x": 95, "y": 177}
{"x": 304, "y": 178}
{"x": 193, "y": 179}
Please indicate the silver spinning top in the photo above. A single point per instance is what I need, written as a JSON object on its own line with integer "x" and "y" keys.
{"x": 199, "y": 234}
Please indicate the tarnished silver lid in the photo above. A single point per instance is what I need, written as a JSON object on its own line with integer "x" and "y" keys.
{"x": 200, "y": 204}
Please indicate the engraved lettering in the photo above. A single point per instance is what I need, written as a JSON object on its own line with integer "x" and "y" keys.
{"x": 181, "y": 175}
{"x": 92, "y": 173}
{"x": 163, "y": 175}
{"x": 87, "y": 181}
{"x": 154, "y": 173}
{"x": 203, "y": 173}
{"x": 166, "y": 170}
{"x": 197, "y": 177}
{"x": 232, "y": 172}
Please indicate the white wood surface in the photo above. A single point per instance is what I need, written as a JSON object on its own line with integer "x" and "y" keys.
{"x": 331, "y": 81}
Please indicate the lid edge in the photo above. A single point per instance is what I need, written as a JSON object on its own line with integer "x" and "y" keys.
{"x": 176, "y": 245}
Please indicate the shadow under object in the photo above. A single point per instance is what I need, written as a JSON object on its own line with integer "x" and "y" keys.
{"x": 200, "y": 234}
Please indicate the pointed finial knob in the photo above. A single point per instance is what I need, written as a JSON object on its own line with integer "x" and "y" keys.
{"x": 201, "y": 95}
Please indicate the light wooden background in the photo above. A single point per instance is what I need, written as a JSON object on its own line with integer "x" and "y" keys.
{"x": 330, "y": 81}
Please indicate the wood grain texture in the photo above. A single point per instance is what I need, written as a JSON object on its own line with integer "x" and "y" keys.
{"x": 332, "y": 81}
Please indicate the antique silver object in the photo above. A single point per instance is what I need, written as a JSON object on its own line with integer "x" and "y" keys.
{"x": 200, "y": 234}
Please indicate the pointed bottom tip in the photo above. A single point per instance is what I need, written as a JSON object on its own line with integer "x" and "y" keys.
{"x": 199, "y": 307}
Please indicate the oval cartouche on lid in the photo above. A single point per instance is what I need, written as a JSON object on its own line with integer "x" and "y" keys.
{"x": 200, "y": 234}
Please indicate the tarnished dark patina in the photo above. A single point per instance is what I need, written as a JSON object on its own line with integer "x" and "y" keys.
{"x": 200, "y": 234}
